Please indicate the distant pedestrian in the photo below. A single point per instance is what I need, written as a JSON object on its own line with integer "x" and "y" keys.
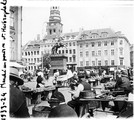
{"x": 69, "y": 75}
{"x": 39, "y": 81}
{"x": 56, "y": 75}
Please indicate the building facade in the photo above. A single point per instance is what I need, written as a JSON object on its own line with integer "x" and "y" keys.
{"x": 103, "y": 47}
{"x": 132, "y": 55}
{"x": 85, "y": 48}
{"x": 15, "y": 33}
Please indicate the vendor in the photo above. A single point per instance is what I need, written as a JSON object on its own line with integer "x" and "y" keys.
{"x": 122, "y": 83}
{"x": 81, "y": 85}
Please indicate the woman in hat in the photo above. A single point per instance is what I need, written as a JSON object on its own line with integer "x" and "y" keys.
{"x": 18, "y": 107}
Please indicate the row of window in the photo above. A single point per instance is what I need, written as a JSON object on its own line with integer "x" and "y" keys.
{"x": 31, "y": 53}
{"x": 71, "y": 51}
{"x": 93, "y": 35}
{"x": 37, "y": 60}
{"x": 32, "y": 68}
{"x": 99, "y": 53}
{"x": 67, "y": 44}
{"x": 51, "y": 31}
{"x": 74, "y": 52}
{"x": 99, "y": 63}
{"x": 32, "y": 60}
{"x": 67, "y": 51}
{"x": 71, "y": 59}
{"x": 99, "y": 44}
{"x": 87, "y": 63}
{"x": 70, "y": 37}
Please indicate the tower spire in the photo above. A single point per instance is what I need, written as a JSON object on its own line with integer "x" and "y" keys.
{"x": 54, "y": 26}
{"x": 54, "y": 14}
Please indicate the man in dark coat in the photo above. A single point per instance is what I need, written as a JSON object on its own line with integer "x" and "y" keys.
{"x": 18, "y": 107}
{"x": 122, "y": 83}
{"x": 59, "y": 107}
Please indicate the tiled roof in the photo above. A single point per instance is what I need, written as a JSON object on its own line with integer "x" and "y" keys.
{"x": 71, "y": 33}
{"x": 33, "y": 43}
{"x": 78, "y": 35}
{"x": 50, "y": 37}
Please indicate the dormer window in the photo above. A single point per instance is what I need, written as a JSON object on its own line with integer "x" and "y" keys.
{"x": 94, "y": 35}
{"x": 104, "y": 34}
{"x": 84, "y": 36}
{"x": 73, "y": 36}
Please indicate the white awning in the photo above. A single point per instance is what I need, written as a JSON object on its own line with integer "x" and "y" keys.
{"x": 15, "y": 64}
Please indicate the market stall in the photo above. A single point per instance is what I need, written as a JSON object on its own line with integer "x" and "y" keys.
{"x": 33, "y": 96}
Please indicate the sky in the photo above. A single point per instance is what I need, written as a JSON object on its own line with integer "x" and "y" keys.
{"x": 118, "y": 17}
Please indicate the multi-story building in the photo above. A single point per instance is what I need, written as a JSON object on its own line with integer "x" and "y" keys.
{"x": 85, "y": 48}
{"x": 132, "y": 55}
{"x": 31, "y": 55}
{"x": 103, "y": 47}
{"x": 15, "y": 33}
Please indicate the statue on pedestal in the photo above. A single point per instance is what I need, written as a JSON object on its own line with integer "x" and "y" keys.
{"x": 57, "y": 46}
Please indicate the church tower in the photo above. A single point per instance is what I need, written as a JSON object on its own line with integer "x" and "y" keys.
{"x": 54, "y": 26}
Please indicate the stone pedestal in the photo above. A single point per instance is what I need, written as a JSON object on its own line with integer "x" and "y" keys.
{"x": 58, "y": 62}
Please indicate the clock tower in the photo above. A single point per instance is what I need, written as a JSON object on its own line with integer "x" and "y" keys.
{"x": 54, "y": 26}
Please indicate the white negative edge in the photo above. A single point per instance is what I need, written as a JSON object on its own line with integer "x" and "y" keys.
{"x": 36, "y": 3}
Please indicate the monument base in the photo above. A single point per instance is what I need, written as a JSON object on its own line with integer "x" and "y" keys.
{"x": 58, "y": 62}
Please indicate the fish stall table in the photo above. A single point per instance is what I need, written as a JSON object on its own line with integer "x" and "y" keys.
{"x": 86, "y": 101}
{"x": 37, "y": 92}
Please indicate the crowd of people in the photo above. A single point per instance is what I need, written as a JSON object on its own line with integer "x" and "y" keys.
{"x": 78, "y": 81}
